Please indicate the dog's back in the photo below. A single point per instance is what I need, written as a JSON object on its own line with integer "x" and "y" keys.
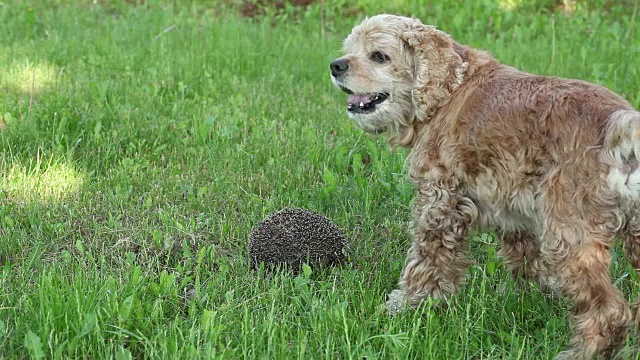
{"x": 509, "y": 134}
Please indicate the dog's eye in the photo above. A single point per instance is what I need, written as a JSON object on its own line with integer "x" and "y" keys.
{"x": 379, "y": 57}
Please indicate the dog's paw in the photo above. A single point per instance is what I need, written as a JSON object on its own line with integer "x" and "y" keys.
{"x": 631, "y": 352}
{"x": 396, "y": 302}
{"x": 566, "y": 355}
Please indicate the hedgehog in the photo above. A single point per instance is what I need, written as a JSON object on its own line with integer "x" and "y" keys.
{"x": 293, "y": 236}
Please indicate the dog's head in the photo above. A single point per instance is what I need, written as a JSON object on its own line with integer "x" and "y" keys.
{"x": 395, "y": 70}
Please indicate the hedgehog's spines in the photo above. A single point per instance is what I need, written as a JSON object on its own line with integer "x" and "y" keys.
{"x": 292, "y": 236}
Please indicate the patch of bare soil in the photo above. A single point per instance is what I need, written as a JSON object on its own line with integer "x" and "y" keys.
{"x": 255, "y": 8}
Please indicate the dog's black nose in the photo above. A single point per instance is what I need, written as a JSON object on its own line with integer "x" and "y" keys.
{"x": 339, "y": 67}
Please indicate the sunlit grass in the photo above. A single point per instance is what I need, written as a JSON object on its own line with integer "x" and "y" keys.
{"x": 29, "y": 77}
{"x": 52, "y": 182}
{"x": 510, "y": 4}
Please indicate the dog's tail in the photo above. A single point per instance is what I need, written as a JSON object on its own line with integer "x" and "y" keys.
{"x": 622, "y": 153}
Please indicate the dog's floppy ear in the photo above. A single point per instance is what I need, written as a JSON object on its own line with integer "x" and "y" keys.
{"x": 438, "y": 67}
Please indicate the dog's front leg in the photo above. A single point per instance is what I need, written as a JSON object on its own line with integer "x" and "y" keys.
{"x": 437, "y": 260}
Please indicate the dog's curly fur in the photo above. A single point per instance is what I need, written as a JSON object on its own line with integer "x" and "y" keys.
{"x": 550, "y": 163}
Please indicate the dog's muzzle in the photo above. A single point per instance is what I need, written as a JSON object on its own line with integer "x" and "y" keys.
{"x": 357, "y": 103}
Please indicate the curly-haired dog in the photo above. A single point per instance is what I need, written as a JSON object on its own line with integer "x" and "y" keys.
{"x": 550, "y": 163}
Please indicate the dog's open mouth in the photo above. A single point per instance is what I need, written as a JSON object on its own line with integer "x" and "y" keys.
{"x": 365, "y": 103}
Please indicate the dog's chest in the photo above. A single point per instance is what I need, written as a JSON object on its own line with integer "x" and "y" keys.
{"x": 505, "y": 204}
{"x": 502, "y": 176}
{"x": 506, "y": 191}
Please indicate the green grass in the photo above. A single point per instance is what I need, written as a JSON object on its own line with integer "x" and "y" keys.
{"x": 139, "y": 145}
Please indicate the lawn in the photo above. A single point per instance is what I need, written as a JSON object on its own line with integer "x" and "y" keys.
{"x": 141, "y": 141}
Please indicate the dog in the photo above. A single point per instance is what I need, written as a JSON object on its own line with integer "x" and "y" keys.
{"x": 550, "y": 163}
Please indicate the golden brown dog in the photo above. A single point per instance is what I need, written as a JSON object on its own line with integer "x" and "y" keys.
{"x": 550, "y": 163}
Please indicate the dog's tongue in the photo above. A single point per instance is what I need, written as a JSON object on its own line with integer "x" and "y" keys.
{"x": 358, "y": 99}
